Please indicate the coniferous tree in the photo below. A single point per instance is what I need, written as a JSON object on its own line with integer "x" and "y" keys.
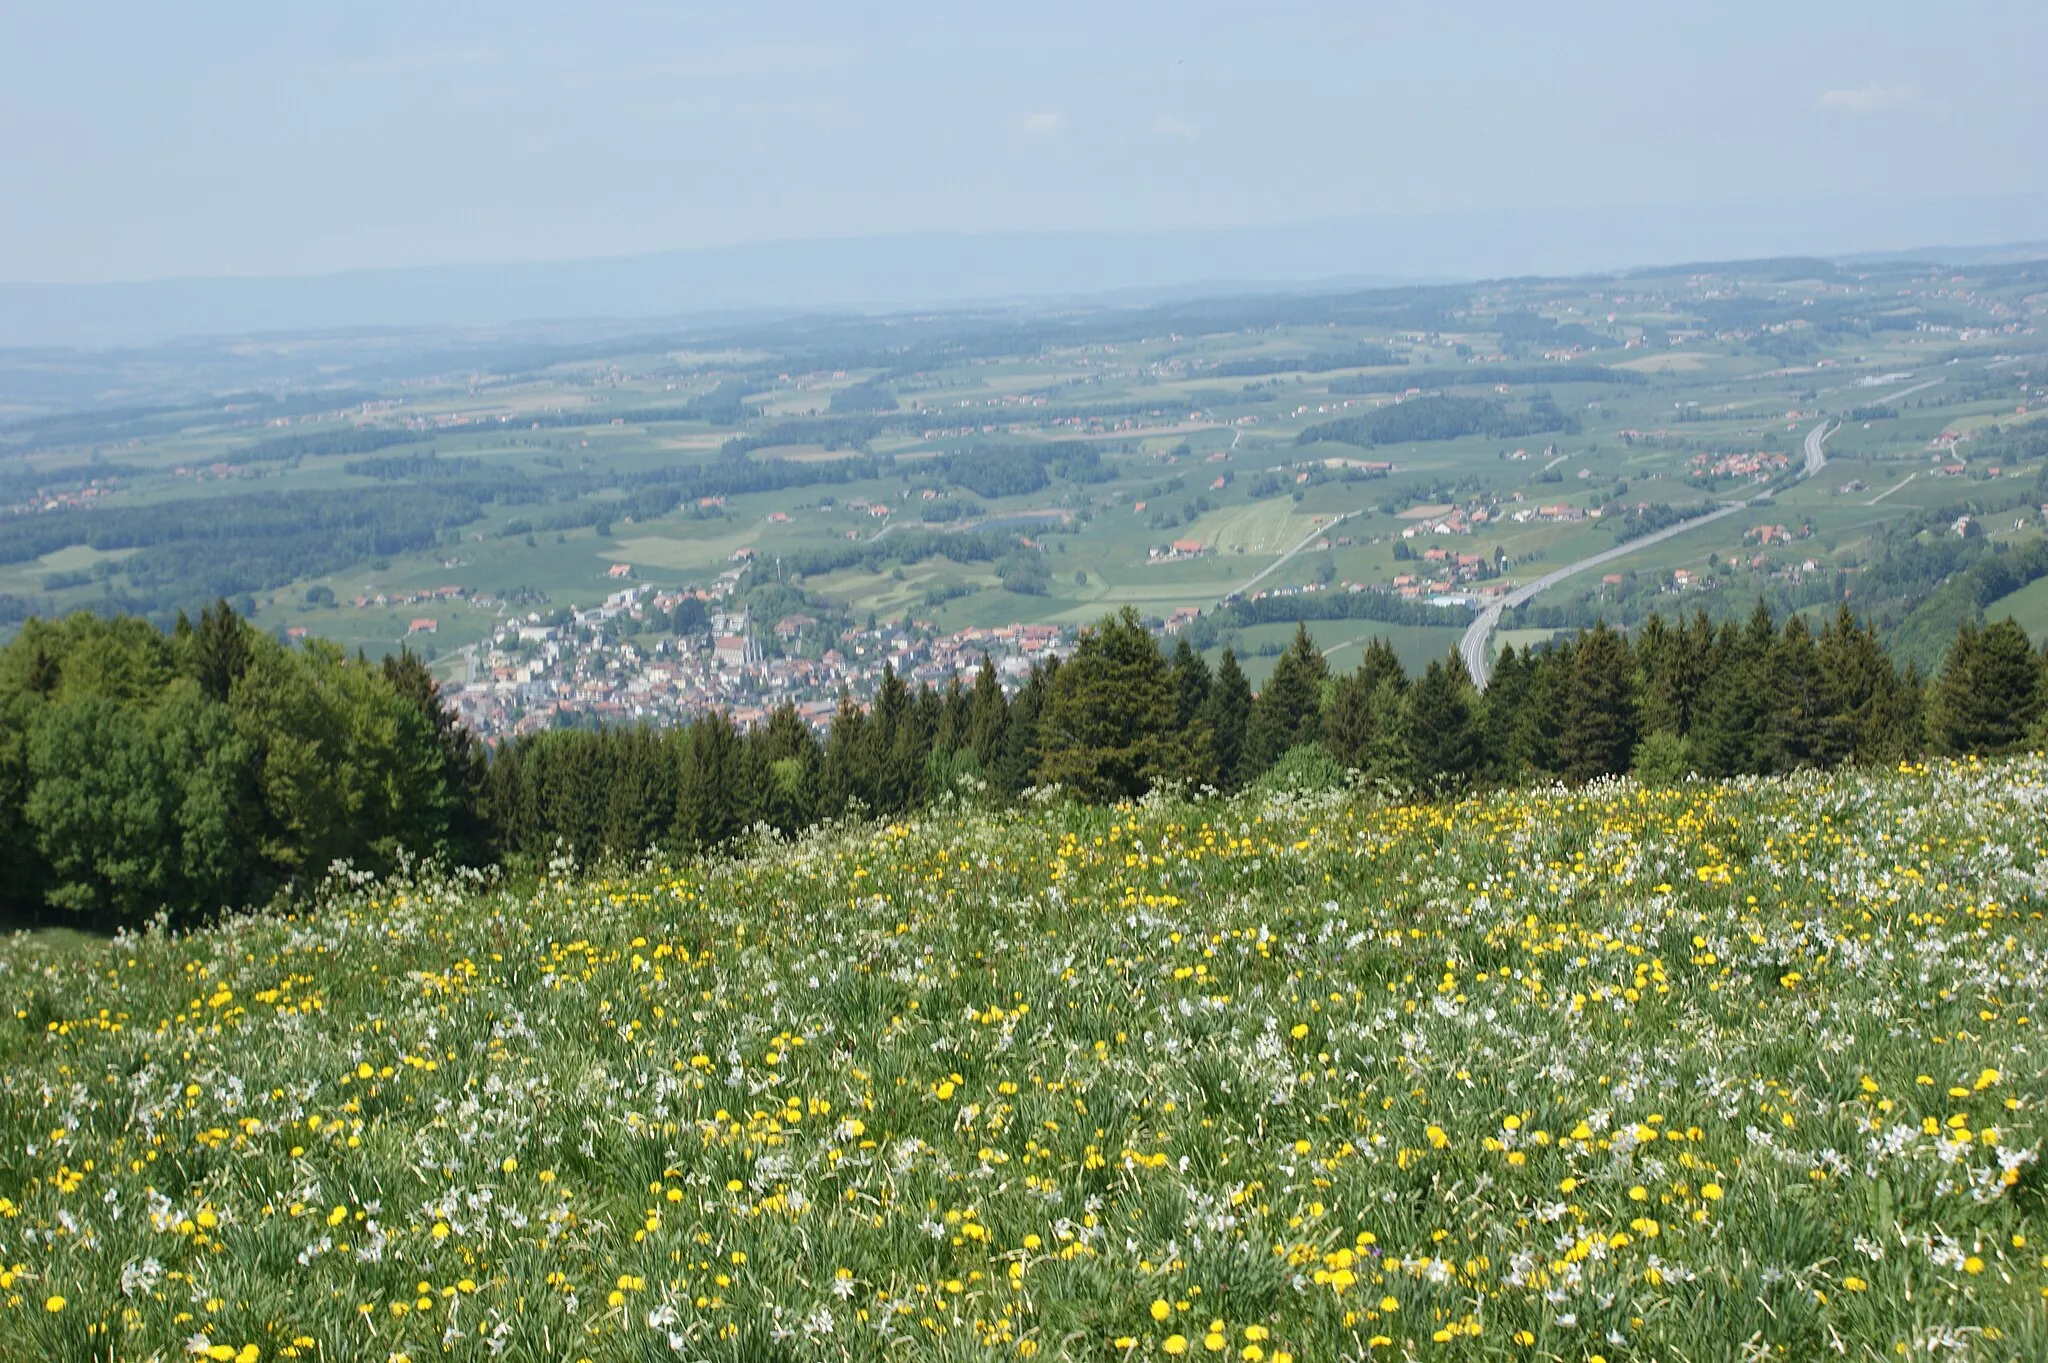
{"x": 1110, "y": 728}
{"x": 1192, "y": 684}
{"x": 1863, "y": 695}
{"x": 1728, "y": 730}
{"x": 462, "y": 759}
{"x": 1191, "y": 681}
{"x": 849, "y": 775}
{"x": 1500, "y": 712}
{"x": 220, "y": 650}
{"x": 1379, "y": 662}
{"x": 1348, "y": 721}
{"x": 1226, "y": 714}
{"x": 892, "y": 716}
{"x": 929, "y": 713}
{"x": 1671, "y": 670}
{"x": 1288, "y": 709}
{"x": 1389, "y": 755}
{"x": 1444, "y": 745}
{"x": 1990, "y": 693}
{"x": 1540, "y": 725}
{"x": 1021, "y": 736}
{"x": 1598, "y": 734}
{"x": 955, "y": 718}
{"x": 1796, "y": 720}
{"x": 1362, "y": 723}
{"x": 908, "y": 763}
{"x": 793, "y": 767}
{"x": 711, "y": 801}
{"x": 642, "y": 778}
{"x": 988, "y": 717}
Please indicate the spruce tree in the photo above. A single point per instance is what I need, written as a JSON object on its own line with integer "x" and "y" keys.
{"x": 1021, "y": 749}
{"x": 890, "y": 742}
{"x": 1110, "y": 729}
{"x": 1670, "y": 670}
{"x": 1389, "y": 756}
{"x": 1226, "y": 713}
{"x": 988, "y": 717}
{"x": 1862, "y": 695}
{"x": 1598, "y": 736}
{"x": 1288, "y": 709}
{"x": 1381, "y": 662}
{"x": 709, "y": 811}
{"x": 1192, "y": 684}
{"x": 849, "y": 771}
{"x": 1348, "y": 723}
{"x": 955, "y": 718}
{"x": 1796, "y": 720}
{"x": 1443, "y": 733}
{"x": 461, "y": 758}
{"x": 1728, "y": 732}
{"x": 1500, "y": 712}
{"x": 220, "y": 649}
{"x": 794, "y": 766}
{"x": 1990, "y": 693}
{"x": 1539, "y": 725}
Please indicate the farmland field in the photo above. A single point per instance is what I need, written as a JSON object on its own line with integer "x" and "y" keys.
{"x": 1717, "y": 1071}
{"x": 1520, "y": 426}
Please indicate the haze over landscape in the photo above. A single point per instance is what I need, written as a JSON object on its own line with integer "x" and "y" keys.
{"x": 811, "y": 155}
{"x": 1072, "y": 682}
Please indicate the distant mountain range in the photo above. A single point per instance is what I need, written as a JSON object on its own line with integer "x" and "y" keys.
{"x": 936, "y": 269}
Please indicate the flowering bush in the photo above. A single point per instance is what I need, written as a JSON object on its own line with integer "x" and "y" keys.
{"x": 1720, "y": 1071}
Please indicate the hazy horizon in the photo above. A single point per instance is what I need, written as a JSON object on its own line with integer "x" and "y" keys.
{"x": 237, "y": 141}
{"x": 940, "y": 269}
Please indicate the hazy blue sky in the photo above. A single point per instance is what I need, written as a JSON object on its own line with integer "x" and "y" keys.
{"x": 231, "y": 137}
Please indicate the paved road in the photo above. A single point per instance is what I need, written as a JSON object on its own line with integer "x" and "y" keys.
{"x": 1908, "y": 392}
{"x": 1473, "y": 646}
{"x": 1816, "y": 456}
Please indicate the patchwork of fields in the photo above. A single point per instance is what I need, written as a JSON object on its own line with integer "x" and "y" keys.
{"x": 1743, "y": 1070}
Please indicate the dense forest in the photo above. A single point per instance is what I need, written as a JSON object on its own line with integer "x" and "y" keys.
{"x": 1444, "y": 418}
{"x": 145, "y": 772}
{"x": 189, "y": 551}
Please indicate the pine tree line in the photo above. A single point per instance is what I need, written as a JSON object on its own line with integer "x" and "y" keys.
{"x": 144, "y": 772}
{"x": 1121, "y": 716}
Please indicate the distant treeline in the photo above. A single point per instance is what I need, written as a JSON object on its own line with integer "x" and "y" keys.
{"x": 1488, "y": 374}
{"x": 143, "y": 772}
{"x": 905, "y": 545}
{"x": 1524, "y": 327}
{"x": 1120, "y": 716}
{"x": 1317, "y": 362}
{"x": 351, "y": 440}
{"x": 1443, "y": 418}
{"x": 870, "y": 396}
{"x": 197, "y": 549}
{"x": 201, "y": 547}
{"x": 1212, "y": 627}
{"x": 1015, "y": 470}
{"x": 112, "y": 425}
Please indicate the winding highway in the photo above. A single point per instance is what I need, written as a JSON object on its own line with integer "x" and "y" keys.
{"x": 1473, "y": 646}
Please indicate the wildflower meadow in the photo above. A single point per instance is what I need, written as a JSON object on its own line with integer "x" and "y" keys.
{"x": 1714, "y": 1071}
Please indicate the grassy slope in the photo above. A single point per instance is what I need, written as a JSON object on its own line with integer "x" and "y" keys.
{"x": 1077, "y": 1083}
